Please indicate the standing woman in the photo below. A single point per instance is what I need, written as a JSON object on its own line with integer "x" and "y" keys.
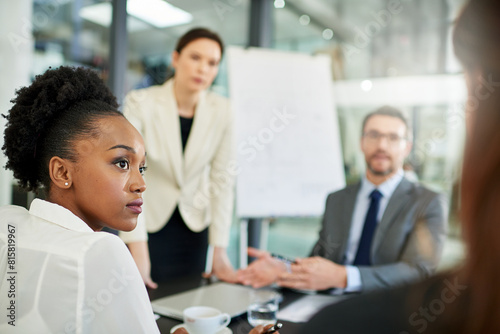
{"x": 188, "y": 135}
{"x": 65, "y": 135}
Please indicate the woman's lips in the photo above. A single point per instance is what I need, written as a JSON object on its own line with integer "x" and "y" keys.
{"x": 135, "y": 206}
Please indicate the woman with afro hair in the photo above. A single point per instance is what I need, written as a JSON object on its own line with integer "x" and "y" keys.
{"x": 65, "y": 135}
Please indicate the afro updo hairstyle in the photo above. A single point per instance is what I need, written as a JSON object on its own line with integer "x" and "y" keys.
{"x": 59, "y": 107}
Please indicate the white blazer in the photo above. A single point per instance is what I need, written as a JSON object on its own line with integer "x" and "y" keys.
{"x": 201, "y": 180}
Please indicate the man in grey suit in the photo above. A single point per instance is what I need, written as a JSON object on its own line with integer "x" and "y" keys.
{"x": 381, "y": 232}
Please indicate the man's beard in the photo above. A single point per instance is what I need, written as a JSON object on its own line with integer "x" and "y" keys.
{"x": 380, "y": 173}
{"x": 377, "y": 172}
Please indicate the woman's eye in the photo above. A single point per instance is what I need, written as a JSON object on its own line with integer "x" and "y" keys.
{"x": 123, "y": 164}
{"x": 142, "y": 169}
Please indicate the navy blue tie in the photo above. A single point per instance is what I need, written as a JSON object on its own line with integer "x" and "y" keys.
{"x": 365, "y": 243}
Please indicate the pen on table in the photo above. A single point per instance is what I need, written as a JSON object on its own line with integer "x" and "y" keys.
{"x": 282, "y": 258}
{"x": 274, "y": 329}
{"x": 287, "y": 261}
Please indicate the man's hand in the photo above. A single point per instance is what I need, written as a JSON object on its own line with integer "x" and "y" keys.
{"x": 314, "y": 273}
{"x": 221, "y": 266}
{"x": 140, "y": 253}
{"x": 264, "y": 271}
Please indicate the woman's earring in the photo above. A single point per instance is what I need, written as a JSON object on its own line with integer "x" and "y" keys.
{"x": 66, "y": 184}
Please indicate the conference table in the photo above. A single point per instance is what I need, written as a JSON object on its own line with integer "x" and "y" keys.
{"x": 238, "y": 325}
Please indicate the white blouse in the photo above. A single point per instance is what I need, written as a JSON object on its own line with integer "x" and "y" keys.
{"x": 59, "y": 276}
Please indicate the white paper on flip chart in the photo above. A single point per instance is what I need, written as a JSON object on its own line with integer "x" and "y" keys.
{"x": 286, "y": 130}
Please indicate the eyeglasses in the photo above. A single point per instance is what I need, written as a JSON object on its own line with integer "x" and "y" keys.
{"x": 374, "y": 137}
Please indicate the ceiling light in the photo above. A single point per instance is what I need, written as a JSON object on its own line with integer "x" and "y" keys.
{"x": 304, "y": 19}
{"x": 366, "y": 85}
{"x": 279, "y": 3}
{"x": 99, "y": 13}
{"x": 157, "y": 13}
{"x": 327, "y": 34}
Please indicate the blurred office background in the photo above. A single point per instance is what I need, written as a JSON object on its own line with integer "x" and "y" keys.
{"x": 377, "y": 48}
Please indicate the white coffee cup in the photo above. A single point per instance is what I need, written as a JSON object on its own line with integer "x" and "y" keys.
{"x": 205, "y": 320}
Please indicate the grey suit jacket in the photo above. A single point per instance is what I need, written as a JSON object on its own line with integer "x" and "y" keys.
{"x": 408, "y": 241}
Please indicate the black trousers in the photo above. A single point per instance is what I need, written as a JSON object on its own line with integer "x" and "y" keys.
{"x": 176, "y": 251}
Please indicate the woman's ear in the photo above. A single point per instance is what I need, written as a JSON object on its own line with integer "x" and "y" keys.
{"x": 60, "y": 172}
{"x": 175, "y": 58}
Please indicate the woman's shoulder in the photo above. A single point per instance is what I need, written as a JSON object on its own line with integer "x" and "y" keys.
{"x": 145, "y": 94}
{"x": 110, "y": 241}
{"x": 110, "y": 254}
{"x": 217, "y": 99}
{"x": 12, "y": 214}
{"x": 12, "y": 209}
{"x": 64, "y": 237}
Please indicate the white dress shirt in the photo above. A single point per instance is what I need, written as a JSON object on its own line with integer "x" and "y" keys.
{"x": 66, "y": 277}
{"x": 358, "y": 220}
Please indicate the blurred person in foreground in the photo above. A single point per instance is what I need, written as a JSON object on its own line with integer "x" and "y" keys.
{"x": 466, "y": 299}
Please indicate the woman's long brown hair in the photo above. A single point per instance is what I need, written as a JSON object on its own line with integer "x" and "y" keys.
{"x": 477, "y": 44}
